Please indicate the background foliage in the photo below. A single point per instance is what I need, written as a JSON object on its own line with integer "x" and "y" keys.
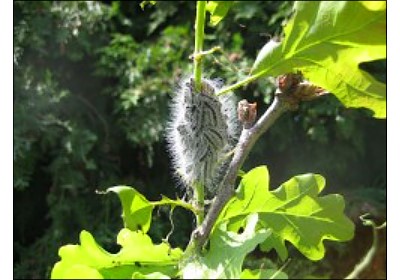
{"x": 92, "y": 81}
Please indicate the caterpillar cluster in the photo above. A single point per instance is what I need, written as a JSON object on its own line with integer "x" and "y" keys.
{"x": 201, "y": 132}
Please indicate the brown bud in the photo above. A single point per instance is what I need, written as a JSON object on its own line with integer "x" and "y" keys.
{"x": 293, "y": 89}
{"x": 247, "y": 113}
{"x": 288, "y": 82}
{"x": 306, "y": 91}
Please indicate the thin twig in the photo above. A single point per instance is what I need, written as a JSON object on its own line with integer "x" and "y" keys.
{"x": 367, "y": 259}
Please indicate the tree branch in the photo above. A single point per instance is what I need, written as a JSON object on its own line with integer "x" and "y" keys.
{"x": 246, "y": 142}
{"x": 292, "y": 90}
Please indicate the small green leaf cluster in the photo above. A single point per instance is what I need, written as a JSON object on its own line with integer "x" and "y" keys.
{"x": 255, "y": 216}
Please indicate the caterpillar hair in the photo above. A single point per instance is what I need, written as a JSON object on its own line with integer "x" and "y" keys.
{"x": 201, "y": 132}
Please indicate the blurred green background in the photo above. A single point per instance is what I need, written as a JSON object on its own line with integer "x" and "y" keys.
{"x": 92, "y": 82}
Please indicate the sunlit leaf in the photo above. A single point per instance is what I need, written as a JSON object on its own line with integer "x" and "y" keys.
{"x": 326, "y": 41}
{"x": 263, "y": 274}
{"x": 227, "y": 252}
{"x": 155, "y": 275}
{"x": 138, "y": 254}
{"x": 218, "y": 10}
{"x": 294, "y": 212}
{"x": 79, "y": 271}
{"x": 136, "y": 209}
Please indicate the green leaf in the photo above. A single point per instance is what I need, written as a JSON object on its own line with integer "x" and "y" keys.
{"x": 227, "y": 252}
{"x": 79, "y": 271}
{"x": 155, "y": 275}
{"x": 263, "y": 274}
{"x": 294, "y": 212}
{"x": 144, "y": 3}
{"x": 218, "y": 10}
{"x": 138, "y": 255}
{"x": 136, "y": 209}
{"x": 327, "y": 41}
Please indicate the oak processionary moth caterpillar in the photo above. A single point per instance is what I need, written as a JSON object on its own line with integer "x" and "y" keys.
{"x": 201, "y": 132}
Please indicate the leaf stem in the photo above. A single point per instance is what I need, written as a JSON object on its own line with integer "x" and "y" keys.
{"x": 175, "y": 203}
{"x": 198, "y": 56}
{"x": 198, "y": 42}
{"x": 240, "y": 83}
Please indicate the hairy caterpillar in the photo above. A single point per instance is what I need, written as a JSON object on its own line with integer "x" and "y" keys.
{"x": 202, "y": 130}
